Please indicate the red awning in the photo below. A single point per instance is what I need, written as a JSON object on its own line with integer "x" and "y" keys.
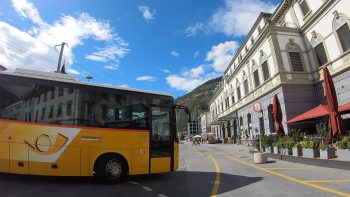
{"x": 344, "y": 108}
{"x": 317, "y": 112}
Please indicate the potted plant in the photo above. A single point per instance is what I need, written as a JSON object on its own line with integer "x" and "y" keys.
{"x": 256, "y": 145}
{"x": 297, "y": 135}
{"x": 297, "y": 150}
{"x": 267, "y": 142}
{"x": 326, "y": 151}
{"x": 288, "y": 145}
{"x": 285, "y": 144}
{"x": 344, "y": 149}
{"x": 310, "y": 148}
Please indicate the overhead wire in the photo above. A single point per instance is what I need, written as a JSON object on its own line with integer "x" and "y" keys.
{"x": 51, "y": 47}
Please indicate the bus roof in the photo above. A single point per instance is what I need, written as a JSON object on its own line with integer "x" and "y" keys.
{"x": 60, "y": 77}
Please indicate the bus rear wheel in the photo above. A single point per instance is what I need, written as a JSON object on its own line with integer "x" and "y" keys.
{"x": 111, "y": 169}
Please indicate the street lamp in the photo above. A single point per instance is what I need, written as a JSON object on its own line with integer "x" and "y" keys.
{"x": 89, "y": 78}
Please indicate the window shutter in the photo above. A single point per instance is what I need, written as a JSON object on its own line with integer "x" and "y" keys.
{"x": 295, "y": 60}
{"x": 256, "y": 78}
{"x": 321, "y": 54}
{"x": 344, "y": 36}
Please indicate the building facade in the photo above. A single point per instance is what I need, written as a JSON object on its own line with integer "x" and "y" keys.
{"x": 204, "y": 122}
{"x": 284, "y": 54}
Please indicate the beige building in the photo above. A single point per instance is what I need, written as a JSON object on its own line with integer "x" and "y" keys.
{"x": 284, "y": 54}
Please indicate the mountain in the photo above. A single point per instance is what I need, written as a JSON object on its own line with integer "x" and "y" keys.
{"x": 197, "y": 101}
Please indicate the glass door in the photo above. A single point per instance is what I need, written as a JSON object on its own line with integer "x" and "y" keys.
{"x": 161, "y": 150}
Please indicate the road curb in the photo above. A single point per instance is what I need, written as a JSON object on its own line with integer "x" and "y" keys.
{"x": 344, "y": 165}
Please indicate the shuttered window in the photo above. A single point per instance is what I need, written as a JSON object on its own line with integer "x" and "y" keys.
{"x": 321, "y": 54}
{"x": 239, "y": 96}
{"x": 295, "y": 60}
{"x": 256, "y": 78}
{"x": 344, "y": 36}
{"x": 265, "y": 69}
{"x": 246, "y": 88}
{"x": 304, "y": 7}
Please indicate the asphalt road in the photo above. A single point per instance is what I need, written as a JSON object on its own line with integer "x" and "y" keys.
{"x": 205, "y": 170}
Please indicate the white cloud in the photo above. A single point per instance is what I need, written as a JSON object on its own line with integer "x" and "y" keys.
{"x": 147, "y": 13}
{"x": 27, "y": 10}
{"x": 189, "y": 80}
{"x": 195, "y": 72}
{"x": 110, "y": 53}
{"x": 72, "y": 71}
{"x": 146, "y": 78}
{"x": 237, "y": 16}
{"x": 174, "y": 54}
{"x": 193, "y": 30}
{"x": 29, "y": 51}
{"x": 220, "y": 55}
{"x": 166, "y": 70}
{"x": 196, "y": 55}
{"x": 111, "y": 67}
{"x": 123, "y": 86}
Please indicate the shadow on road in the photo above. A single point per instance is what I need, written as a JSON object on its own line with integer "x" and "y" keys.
{"x": 180, "y": 183}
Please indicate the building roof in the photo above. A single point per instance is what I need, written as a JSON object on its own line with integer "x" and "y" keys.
{"x": 59, "y": 77}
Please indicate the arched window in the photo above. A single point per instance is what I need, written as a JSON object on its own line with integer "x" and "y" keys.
{"x": 341, "y": 30}
{"x": 295, "y": 56}
{"x": 264, "y": 65}
{"x": 320, "y": 51}
{"x": 249, "y": 120}
{"x": 271, "y": 119}
{"x": 241, "y": 124}
{"x": 255, "y": 74}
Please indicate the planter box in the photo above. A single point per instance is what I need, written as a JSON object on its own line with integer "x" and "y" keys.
{"x": 285, "y": 151}
{"x": 269, "y": 149}
{"x": 275, "y": 150}
{"x": 311, "y": 153}
{"x": 297, "y": 151}
{"x": 327, "y": 153}
{"x": 343, "y": 154}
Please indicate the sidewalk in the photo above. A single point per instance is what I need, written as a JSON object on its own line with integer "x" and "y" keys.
{"x": 247, "y": 152}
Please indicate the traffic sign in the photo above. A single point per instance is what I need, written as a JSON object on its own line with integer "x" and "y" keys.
{"x": 257, "y": 107}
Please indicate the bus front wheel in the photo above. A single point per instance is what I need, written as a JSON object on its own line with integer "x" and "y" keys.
{"x": 110, "y": 169}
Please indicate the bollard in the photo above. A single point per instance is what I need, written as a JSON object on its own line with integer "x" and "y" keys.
{"x": 260, "y": 158}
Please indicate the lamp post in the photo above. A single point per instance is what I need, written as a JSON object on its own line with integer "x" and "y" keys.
{"x": 89, "y": 78}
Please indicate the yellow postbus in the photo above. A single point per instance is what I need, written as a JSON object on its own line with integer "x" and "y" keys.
{"x": 53, "y": 124}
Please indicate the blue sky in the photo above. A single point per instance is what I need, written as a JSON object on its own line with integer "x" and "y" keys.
{"x": 169, "y": 46}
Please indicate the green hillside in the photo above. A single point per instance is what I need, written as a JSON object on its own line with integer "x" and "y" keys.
{"x": 197, "y": 101}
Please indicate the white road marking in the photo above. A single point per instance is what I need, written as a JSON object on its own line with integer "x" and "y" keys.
{"x": 147, "y": 188}
{"x": 132, "y": 182}
{"x": 162, "y": 195}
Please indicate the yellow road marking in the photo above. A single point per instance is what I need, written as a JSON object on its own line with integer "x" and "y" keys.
{"x": 305, "y": 168}
{"x": 215, "y": 189}
{"x": 326, "y": 181}
{"x": 217, "y": 178}
{"x": 291, "y": 178}
{"x": 200, "y": 153}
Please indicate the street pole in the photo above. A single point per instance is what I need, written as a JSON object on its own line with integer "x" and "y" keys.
{"x": 262, "y": 114}
{"x": 61, "y": 54}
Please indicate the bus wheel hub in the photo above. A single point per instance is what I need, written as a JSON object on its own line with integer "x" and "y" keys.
{"x": 113, "y": 168}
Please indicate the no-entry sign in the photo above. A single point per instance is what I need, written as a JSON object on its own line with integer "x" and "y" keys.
{"x": 257, "y": 107}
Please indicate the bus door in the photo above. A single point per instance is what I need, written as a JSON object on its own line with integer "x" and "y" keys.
{"x": 161, "y": 142}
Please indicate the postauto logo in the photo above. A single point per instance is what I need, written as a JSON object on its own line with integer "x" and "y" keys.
{"x": 43, "y": 144}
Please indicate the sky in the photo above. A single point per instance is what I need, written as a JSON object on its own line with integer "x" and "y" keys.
{"x": 168, "y": 46}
